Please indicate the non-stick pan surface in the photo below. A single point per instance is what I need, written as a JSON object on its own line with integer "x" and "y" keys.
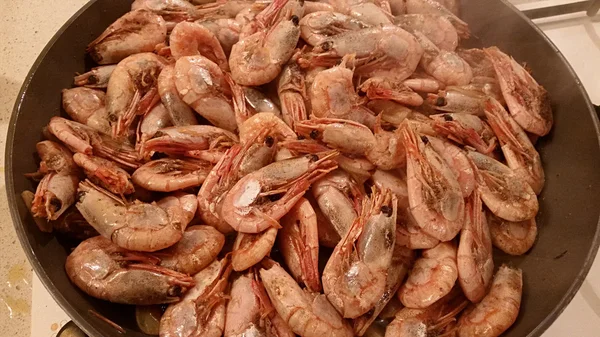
{"x": 568, "y": 219}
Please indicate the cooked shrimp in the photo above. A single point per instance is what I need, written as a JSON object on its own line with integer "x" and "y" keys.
{"x": 291, "y": 89}
{"x": 393, "y": 180}
{"x": 140, "y": 226}
{"x": 202, "y": 85}
{"x": 499, "y": 308}
{"x": 307, "y": 314}
{"x": 156, "y": 119}
{"x": 190, "y": 38}
{"x": 371, "y": 13}
{"x": 55, "y": 158}
{"x": 97, "y": 78}
{"x": 264, "y": 120}
{"x": 259, "y": 102}
{"x": 387, "y": 89}
{"x": 316, "y": 6}
{"x": 521, "y": 156}
{"x": 181, "y": 114}
{"x": 247, "y": 207}
{"x": 86, "y": 106}
{"x": 173, "y": 11}
{"x": 467, "y": 130}
{"x": 410, "y": 235}
{"x": 250, "y": 249}
{"x": 435, "y": 7}
{"x": 355, "y": 276}
{"x": 170, "y": 174}
{"x": 226, "y": 30}
{"x": 514, "y": 238}
{"x": 316, "y": 27}
{"x": 298, "y": 241}
{"x": 345, "y": 135}
{"x": 457, "y": 161}
{"x": 388, "y": 150}
{"x": 434, "y": 195}
{"x": 54, "y": 195}
{"x": 527, "y": 101}
{"x": 436, "y": 28}
{"x": 502, "y": 190}
{"x": 481, "y": 65}
{"x": 185, "y": 140}
{"x": 135, "y": 32}
{"x": 105, "y": 173}
{"x": 474, "y": 257}
{"x": 106, "y": 271}
{"x": 432, "y": 277}
{"x": 445, "y": 66}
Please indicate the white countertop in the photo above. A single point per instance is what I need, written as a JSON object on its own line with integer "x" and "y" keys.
{"x": 25, "y": 28}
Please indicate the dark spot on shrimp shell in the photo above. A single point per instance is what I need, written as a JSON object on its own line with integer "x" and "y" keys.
{"x": 175, "y": 291}
{"x": 448, "y": 118}
{"x": 301, "y": 137}
{"x": 440, "y": 101}
{"x": 269, "y": 141}
{"x": 425, "y": 139}
{"x": 387, "y": 210}
{"x": 314, "y": 134}
{"x": 295, "y": 20}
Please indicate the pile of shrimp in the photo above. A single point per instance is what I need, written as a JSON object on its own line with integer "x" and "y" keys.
{"x": 292, "y": 167}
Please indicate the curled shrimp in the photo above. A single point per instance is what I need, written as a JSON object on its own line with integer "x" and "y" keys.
{"x": 307, "y": 314}
{"x": 55, "y": 158}
{"x": 457, "y": 161}
{"x": 247, "y": 207}
{"x": 250, "y": 249}
{"x": 481, "y": 65}
{"x": 105, "y": 173}
{"x": 499, "y": 308}
{"x": 431, "y": 278}
{"x": 170, "y": 174}
{"x": 132, "y": 89}
{"x": 389, "y": 89}
{"x": 527, "y": 101}
{"x": 345, "y": 135}
{"x": 139, "y": 226}
{"x": 106, "y": 271}
{"x": 86, "y": 106}
{"x": 410, "y": 235}
{"x": 354, "y": 278}
{"x": 190, "y": 38}
{"x": 202, "y": 85}
{"x": 181, "y": 114}
{"x": 317, "y": 26}
{"x": 474, "y": 257}
{"x": 291, "y": 89}
{"x": 514, "y": 238}
{"x": 156, "y": 119}
{"x": 467, "y": 130}
{"x": 298, "y": 241}
{"x": 54, "y": 195}
{"x": 265, "y": 120}
{"x": 135, "y": 32}
{"x": 97, "y": 78}
{"x": 445, "y": 66}
{"x": 434, "y": 195}
{"x": 436, "y": 28}
{"x": 521, "y": 156}
{"x": 502, "y": 190}
{"x": 395, "y": 181}
{"x": 191, "y": 140}
{"x": 258, "y": 58}
{"x": 226, "y": 30}
{"x": 435, "y": 7}
{"x": 201, "y": 312}
{"x": 388, "y": 150}
{"x": 173, "y": 11}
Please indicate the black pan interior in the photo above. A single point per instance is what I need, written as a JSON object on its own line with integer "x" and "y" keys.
{"x": 568, "y": 220}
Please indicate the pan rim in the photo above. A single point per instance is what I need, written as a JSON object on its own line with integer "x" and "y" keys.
{"x": 84, "y": 322}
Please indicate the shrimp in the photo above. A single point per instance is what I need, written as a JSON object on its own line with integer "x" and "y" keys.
{"x": 135, "y": 32}
{"x": 434, "y": 195}
{"x": 187, "y": 140}
{"x": 388, "y": 150}
{"x": 474, "y": 257}
{"x": 55, "y": 158}
{"x": 465, "y": 129}
{"x": 390, "y": 111}
{"x": 97, "y": 78}
{"x": 86, "y": 106}
{"x": 255, "y": 124}
{"x": 514, "y": 238}
{"x": 181, "y": 114}
{"x": 410, "y": 235}
{"x": 257, "y": 59}
{"x": 156, "y": 119}
{"x": 436, "y": 320}
{"x": 499, "y": 308}
{"x": 259, "y": 102}
{"x": 318, "y": 26}
{"x": 402, "y": 260}
{"x": 170, "y": 174}
{"x": 250, "y": 249}
{"x": 105, "y": 271}
{"x": 105, "y": 173}
{"x": 226, "y": 30}
{"x": 201, "y": 312}
{"x": 436, "y": 28}
{"x": 345, "y": 135}
{"x": 445, "y": 66}
{"x": 359, "y": 168}
{"x": 202, "y": 85}
{"x": 431, "y": 278}
{"x": 198, "y": 248}
{"x": 54, "y": 195}
{"x": 481, "y": 65}
{"x": 457, "y": 162}
{"x": 139, "y": 226}
{"x": 247, "y": 206}
{"x": 307, "y": 314}
{"x": 528, "y": 102}
{"x": 521, "y": 156}
{"x": 457, "y": 99}
{"x": 132, "y": 89}
{"x": 435, "y": 7}
{"x": 173, "y": 11}
{"x": 354, "y": 278}
{"x": 190, "y": 38}
{"x": 395, "y": 181}
{"x": 502, "y": 190}
{"x": 371, "y": 13}
{"x": 388, "y": 89}
{"x": 298, "y": 241}
{"x": 316, "y": 6}
{"x": 291, "y": 89}
{"x": 339, "y": 198}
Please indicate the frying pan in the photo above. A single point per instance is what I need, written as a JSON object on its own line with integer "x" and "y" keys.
{"x": 568, "y": 220}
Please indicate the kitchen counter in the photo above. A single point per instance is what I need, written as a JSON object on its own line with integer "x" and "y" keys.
{"x": 25, "y": 28}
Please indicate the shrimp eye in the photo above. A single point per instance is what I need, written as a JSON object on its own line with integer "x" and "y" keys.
{"x": 314, "y": 134}
{"x": 80, "y": 195}
{"x": 387, "y": 210}
{"x": 112, "y": 118}
{"x": 425, "y": 139}
{"x": 301, "y": 137}
{"x": 56, "y": 204}
{"x": 175, "y": 291}
{"x": 440, "y": 101}
{"x": 159, "y": 134}
{"x": 388, "y": 127}
{"x": 448, "y": 118}
{"x": 361, "y": 93}
{"x": 314, "y": 157}
{"x": 269, "y": 141}
{"x": 93, "y": 79}
{"x": 295, "y": 20}
{"x": 327, "y": 45}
